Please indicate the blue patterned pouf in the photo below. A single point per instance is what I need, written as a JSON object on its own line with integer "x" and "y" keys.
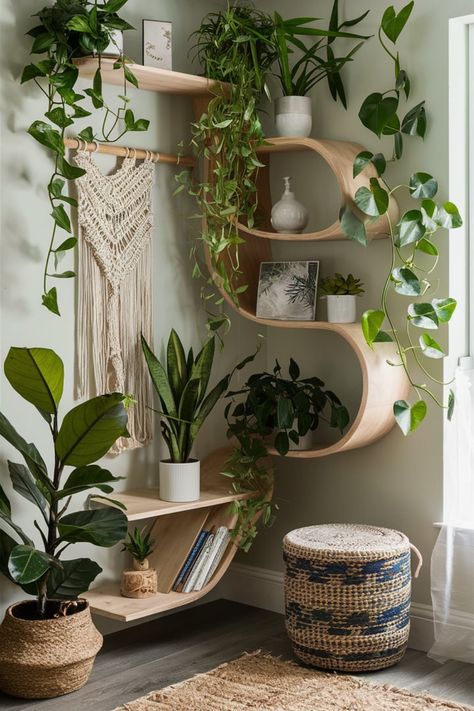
{"x": 347, "y": 595}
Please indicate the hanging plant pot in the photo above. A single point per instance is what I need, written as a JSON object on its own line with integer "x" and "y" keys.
{"x": 180, "y": 481}
{"x": 44, "y": 658}
{"x": 342, "y": 308}
{"x": 293, "y": 116}
{"x": 140, "y": 582}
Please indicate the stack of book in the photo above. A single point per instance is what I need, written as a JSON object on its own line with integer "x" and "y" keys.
{"x": 203, "y": 560}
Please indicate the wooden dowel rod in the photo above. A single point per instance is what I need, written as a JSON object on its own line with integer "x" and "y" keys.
{"x": 139, "y": 153}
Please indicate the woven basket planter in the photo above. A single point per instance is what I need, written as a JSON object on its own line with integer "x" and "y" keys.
{"x": 41, "y": 659}
{"x": 347, "y": 596}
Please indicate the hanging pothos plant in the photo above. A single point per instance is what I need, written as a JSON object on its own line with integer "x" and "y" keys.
{"x": 65, "y": 31}
{"x": 414, "y": 255}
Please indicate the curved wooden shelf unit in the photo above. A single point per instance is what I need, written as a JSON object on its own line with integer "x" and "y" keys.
{"x": 175, "y": 530}
{"x": 339, "y": 155}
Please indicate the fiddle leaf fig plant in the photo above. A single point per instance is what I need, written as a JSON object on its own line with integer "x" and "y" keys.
{"x": 66, "y": 31}
{"x": 85, "y": 434}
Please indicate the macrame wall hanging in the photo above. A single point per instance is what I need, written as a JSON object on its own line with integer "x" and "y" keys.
{"x": 114, "y": 287}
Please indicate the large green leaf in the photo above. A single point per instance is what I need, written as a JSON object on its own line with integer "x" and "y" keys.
{"x": 371, "y": 322}
{"x": 372, "y": 201}
{"x": 7, "y": 544}
{"x": 160, "y": 380}
{"x": 5, "y": 515}
{"x": 47, "y": 136}
{"x": 89, "y": 477}
{"x": 410, "y": 229}
{"x": 30, "y": 454}
{"x": 352, "y": 226}
{"x": 423, "y": 315}
{"x": 378, "y": 111}
{"x": 176, "y": 365}
{"x": 202, "y": 367}
{"x": 102, "y": 527}
{"x": 24, "y": 483}
{"x": 393, "y": 23}
{"x": 27, "y": 564}
{"x": 423, "y": 185}
{"x": 89, "y": 430}
{"x": 406, "y": 281}
{"x": 72, "y": 579}
{"x": 37, "y": 374}
{"x": 409, "y": 417}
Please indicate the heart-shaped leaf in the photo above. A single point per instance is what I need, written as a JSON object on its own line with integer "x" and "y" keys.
{"x": 409, "y": 417}
{"x": 410, "y": 229}
{"x": 378, "y": 111}
{"x": 352, "y": 226}
{"x": 424, "y": 245}
{"x": 393, "y": 24}
{"x": 448, "y": 216}
{"x": 423, "y": 185}
{"x": 444, "y": 308}
{"x": 50, "y": 300}
{"x": 429, "y": 212}
{"x": 373, "y": 201}
{"x": 47, "y": 136}
{"x": 423, "y": 315}
{"x": 371, "y": 322}
{"x": 430, "y": 347}
{"x": 414, "y": 122}
{"x": 406, "y": 281}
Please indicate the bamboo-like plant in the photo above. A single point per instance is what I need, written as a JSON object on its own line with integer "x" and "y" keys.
{"x": 86, "y": 433}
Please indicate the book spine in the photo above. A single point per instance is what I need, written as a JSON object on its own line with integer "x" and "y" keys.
{"x": 202, "y": 577}
{"x": 189, "y": 585}
{"x": 190, "y": 559}
{"x": 218, "y": 557}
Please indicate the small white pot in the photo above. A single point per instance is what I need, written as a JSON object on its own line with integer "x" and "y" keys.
{"x": 180, "y": 481}
{"x": 293, "y": 116}
{"x": 342, "y": 308}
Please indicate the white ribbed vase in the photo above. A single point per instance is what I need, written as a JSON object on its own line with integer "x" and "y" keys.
{"x": 293, "y": 116}
{"x": 342, "y": 308}
{"x": 180, "y": 481}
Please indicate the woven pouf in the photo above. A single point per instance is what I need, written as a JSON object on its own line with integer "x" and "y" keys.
{"x": 347, "y": 595}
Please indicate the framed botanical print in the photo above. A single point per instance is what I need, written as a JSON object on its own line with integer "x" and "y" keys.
{"x": 287, "y": 290}
{"x": 157, "y": 44}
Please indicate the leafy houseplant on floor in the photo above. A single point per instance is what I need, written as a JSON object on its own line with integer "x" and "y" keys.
{"x": 47, "y": 647}
{"x": 66, "y": 31}
{"x": 142, "y": 580}
{"x": 278, "y": 411}
{"x": 341, "y": 293}
{"x": 185, "y": 405}
{"x": 293, "y": 115}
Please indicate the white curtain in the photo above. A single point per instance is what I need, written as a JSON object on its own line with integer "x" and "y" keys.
{"x": 452, "y": 563}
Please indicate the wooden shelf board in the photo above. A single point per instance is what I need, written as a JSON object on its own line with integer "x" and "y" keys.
{"x": 149, "y": 78}
{"x": 144, "y": 503}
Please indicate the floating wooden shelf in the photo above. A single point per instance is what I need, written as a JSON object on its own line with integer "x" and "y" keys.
{"x": 339, "y": 155}
{"x": 176, "y": 529}
{"x": 149, "y": 78}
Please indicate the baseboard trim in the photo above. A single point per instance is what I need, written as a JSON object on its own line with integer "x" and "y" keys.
{"x": 264, "y": 588}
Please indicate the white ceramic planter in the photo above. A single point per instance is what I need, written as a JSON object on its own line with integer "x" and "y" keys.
{"x": 180, "y": 481}
{"x": 288, "y": 215}
{"x": 342, "y": 308}
{"x": 293, "y": 116}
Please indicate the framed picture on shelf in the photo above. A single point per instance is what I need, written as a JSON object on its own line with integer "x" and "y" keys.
{"x": 157, "y": 44}
{"x": 287, "y": 290}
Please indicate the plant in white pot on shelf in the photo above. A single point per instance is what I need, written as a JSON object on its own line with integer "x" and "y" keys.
{"x": 182, "y": 388}
{"x": 48, "y": 644}
{"x": 341, "y": 294}
{"x": 293, "y": 111}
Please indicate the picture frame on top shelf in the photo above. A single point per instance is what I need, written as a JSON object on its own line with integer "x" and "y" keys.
{"x": 157, "y": 44}
{"x": 287, "y": 291}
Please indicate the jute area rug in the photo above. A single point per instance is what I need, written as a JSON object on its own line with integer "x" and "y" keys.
{"x": 262, "y": 683}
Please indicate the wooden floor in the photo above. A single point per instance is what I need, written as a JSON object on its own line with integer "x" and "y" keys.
{"x": 176, "y": 647}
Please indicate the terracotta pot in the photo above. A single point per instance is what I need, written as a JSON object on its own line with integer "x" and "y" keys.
{"x": 41, "y": 659}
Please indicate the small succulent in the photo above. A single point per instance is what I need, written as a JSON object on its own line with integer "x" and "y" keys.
{"x": 139, "y": 544}
{"x": 338, "y": 285}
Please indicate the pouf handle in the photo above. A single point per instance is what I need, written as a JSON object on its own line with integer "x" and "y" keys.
{"x": 420, "y": 559}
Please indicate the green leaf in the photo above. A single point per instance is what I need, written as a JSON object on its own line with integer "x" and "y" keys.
{"x": 294, "y": 370}
{"x": 113, "y": 5}
{"x": 378, "y": 111}
{"x": 50, "y": 300}
{"x": 63, "y": 275}
{"x": 423, "y": 315}
{"x": 101, "y": 527}
{"x": 383, "y": 337}
{"x": 42, "y": 43}
{"x": 37, "y": 374}
{"x": 88, "y": 477}
{"x": 71, "y": 172}
{"x": 176, "y": 365}
{"x": 410, "y": 228}
{"x": 398, "y": 145}
{"x": 30, "y": 454}
{"x": 285, "y": 413}
{"x": 448, "y": 216}
{"x": 414, "y": 123}
{"x": 392, "y": 24}
{"x": 451, "y": 404}
{"x": 203, "y": 366}
{"x": 351, "y": 226}
{"x": 409, "y": 417}
{"x": 424, "y": 245}
{"x": 403, "y": 82}
{"x": 73, "y": 579}
{"x": 129, "y": 76}
{"x": 282, "y": 444}
{"x": 429, "y": 211}
{"x": 68, "y": 244}
{"x": 31, "y": 71}
{"x": 373, "y": 201}
{"x": 47, "y": 136}
{"x": 430, "y": 348}
{"x": 90, "y": 429}
{"x": 371, "y": 322}
{"x": 61, "y": 218}
{"x": 59, "y": 117}
{"x": 26, "y": 564}
{"x": 87, "y": 134}
{"x": 79, "y": 23}
{"x": 160, "y": 380}
{"x": 444, "y": 308}
{"x": 361, "y": 161}
{"x": 97, "y": 84}
{"x": 406, "y": 282}
{"x": 25, "y": 485}
{"x": 423, "y": 185}
{"x": 7, "y": 544}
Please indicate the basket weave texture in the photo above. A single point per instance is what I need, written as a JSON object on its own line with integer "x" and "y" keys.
{"x": 347, "y": 595}
{"x": 41, "y": 659}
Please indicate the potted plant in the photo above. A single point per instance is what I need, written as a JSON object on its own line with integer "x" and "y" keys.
{"x": 142, "y": 580}
{"x": 293, "y": 113}
{"x": 48, "y": 645}
{"x": 341, "y": 293}
{"x": 283, "y": 411}
{"x": 182, "y": 388}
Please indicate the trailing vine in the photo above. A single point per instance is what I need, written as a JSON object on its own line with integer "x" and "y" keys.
{"x": 66, "y": 31}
